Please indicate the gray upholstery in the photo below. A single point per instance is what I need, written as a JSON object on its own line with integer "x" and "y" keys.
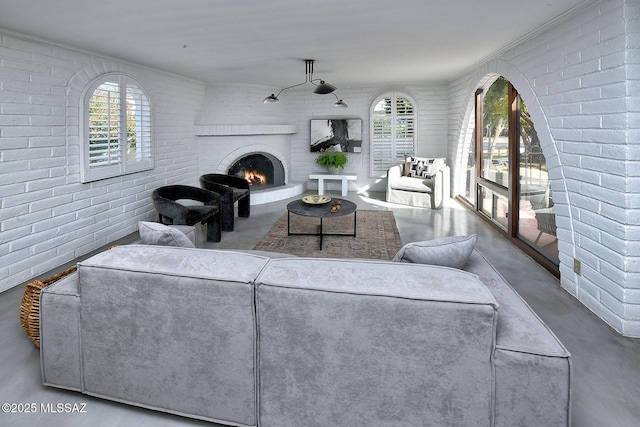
{"x": 423, "y": 192}
{"x": 170, "y": 329}
{"x": 243, "y": 339}
{"x": 60, "y": 334}
{"x": 450, "y": 251}
{"x": 153, "y": 233}
{"x": 523, "y": 370}
{"x": 346, "y": 343}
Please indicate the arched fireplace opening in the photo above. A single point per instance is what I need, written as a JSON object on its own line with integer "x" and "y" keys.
{"x": 262, "y": 170}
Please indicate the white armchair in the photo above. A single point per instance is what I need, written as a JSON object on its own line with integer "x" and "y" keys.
{"x": 418, "y": 191}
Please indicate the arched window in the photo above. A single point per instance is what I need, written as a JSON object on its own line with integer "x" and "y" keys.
{"x": 116, "y": 128}
{"x": 393, "y": 130}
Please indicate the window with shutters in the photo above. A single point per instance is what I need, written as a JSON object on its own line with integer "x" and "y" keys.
{"x": 393, "y": 130}
{"x": 116, "y": 128}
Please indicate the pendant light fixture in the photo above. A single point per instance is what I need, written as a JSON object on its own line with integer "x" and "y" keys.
{"x": 339, "y": 103}
{"x": 321, "y": 88}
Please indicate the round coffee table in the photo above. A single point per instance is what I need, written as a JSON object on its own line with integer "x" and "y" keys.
{"x": 321, "y": 211}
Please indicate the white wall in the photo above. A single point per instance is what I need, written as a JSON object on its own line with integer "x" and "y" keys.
{"x": 47, "y": 217}
{"x": 578, "y": 79}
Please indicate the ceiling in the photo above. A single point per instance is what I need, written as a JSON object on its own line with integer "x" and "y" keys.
{"x": 265, "y": 41}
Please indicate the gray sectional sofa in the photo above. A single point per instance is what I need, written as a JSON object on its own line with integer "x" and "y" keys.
{"x": 248, "y": 340}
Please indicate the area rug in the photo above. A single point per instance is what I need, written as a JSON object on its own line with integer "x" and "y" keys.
{"x": 377, "y": 236}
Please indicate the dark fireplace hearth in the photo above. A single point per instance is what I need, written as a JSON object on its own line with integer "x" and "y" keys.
{"x": 262, "y": 170}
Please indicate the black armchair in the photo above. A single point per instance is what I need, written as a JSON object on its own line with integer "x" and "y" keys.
{"x": 231, "y": 189}
{"x": 172, "y": 212}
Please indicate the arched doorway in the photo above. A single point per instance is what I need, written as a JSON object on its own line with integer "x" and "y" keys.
{"x": 507, "y": 179}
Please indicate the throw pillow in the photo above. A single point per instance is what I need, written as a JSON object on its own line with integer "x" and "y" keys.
{"x": 153, "y": 233}
{"x": 447, "y": 251}
{"x": 423, "y": 167}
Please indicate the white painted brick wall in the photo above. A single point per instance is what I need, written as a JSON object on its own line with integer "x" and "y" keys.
{"x": 241, "y": 104}
{"x": 631, "y": 296}
{"x": 579, "y": 79}
{"x": 47, "y": 217}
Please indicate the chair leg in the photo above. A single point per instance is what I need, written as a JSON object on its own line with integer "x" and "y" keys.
{"x": 227, "y": 215}
{"x": 165, "y": 220}
{"x": 538, "y": 238}
{"x": 244, "y": 206}
{"x": 214, "y": 229}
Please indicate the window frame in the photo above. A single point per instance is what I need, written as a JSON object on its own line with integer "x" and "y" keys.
{"x": 145, "y": 121}
{"x": 394, "y": 95}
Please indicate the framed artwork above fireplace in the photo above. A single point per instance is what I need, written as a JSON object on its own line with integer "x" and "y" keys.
{"x": 338, "y": 134}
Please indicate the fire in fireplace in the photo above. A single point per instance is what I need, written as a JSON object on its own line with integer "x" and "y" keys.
{"x": 254, "y": 177}
{"x": 262, "y": 170}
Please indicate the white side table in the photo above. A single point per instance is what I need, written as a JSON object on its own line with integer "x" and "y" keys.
{"x": 322, "y": 177}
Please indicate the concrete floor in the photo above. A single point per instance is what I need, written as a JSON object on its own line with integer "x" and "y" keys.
{"x": 606, "y": 366}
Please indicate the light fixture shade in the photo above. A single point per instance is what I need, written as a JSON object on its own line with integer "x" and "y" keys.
{"x": 270, "y": 99}
{"x": 340, "y": 104}
{"x": 324, "y": 88}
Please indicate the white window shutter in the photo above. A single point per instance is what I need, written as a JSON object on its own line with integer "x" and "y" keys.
{"x": 138, "y": 117}
{"x": 393, "y": 132}
{"x": 104, "y": 125}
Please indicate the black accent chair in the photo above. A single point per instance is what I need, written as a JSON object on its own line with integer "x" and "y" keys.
{"x": 231, "y": 189}
{"x": 172, "y": 212}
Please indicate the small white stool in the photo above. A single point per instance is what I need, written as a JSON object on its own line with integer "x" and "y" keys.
{"x": 322, "y": 177}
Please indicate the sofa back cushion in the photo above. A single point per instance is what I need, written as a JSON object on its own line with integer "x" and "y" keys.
{"x": 346, "y": 342}
{"x": 171, "y": 328}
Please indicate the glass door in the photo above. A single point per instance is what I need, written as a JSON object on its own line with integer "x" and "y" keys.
{"x": 536, "y": 219}
{"x": 507, "y": 180}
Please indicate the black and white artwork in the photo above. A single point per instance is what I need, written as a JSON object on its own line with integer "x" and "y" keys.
{"x": 338, "y": 134}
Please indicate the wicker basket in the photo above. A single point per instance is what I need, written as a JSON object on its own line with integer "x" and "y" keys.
{"x": 30, "y": 306}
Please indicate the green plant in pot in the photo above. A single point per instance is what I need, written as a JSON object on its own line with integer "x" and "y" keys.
{"x": 334, "y": 161}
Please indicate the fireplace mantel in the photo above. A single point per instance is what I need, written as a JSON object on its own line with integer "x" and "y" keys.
{"x": 234, "y": 130}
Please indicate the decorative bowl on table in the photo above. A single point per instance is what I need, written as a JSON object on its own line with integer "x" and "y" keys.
{"x": 316, "y": 200}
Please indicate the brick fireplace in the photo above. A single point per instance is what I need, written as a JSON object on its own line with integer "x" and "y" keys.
{"x": 239, "y": 149}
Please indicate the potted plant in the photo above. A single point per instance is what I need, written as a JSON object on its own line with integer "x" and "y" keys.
{"x": 334, "y": 161}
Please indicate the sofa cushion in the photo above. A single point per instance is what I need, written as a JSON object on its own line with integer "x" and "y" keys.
{"x": 407, "y": 183}
{"x": 423, "y": 167}
{"x": 451, "y": 251}
{"x": 153, "y": 233}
